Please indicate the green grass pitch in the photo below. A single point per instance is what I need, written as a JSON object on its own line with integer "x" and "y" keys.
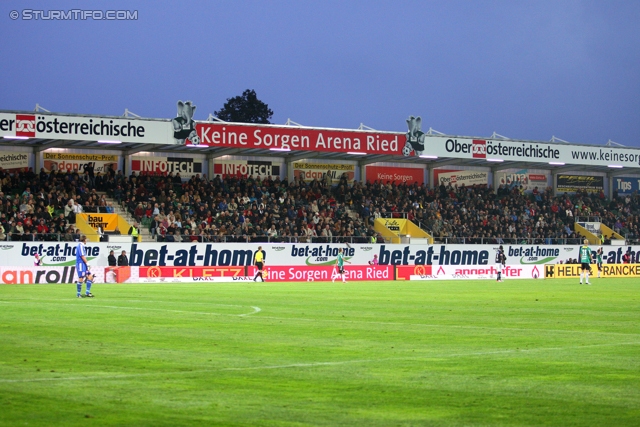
{"x": 441, "y": 353}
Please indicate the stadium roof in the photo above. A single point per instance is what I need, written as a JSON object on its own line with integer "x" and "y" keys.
{"x": 130, "y": 147}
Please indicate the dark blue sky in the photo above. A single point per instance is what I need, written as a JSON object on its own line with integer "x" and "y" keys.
{"x": 525, "y": 69}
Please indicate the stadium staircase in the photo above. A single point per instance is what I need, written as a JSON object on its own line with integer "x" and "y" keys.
{"x": 593, "y": 230}
{"x": 145, "y": 234}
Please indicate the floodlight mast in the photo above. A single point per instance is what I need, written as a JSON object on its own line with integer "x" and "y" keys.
{"x": 365, "y": 127}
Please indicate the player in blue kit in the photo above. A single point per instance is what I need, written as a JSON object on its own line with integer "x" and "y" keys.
{"x": 82, "y": 268}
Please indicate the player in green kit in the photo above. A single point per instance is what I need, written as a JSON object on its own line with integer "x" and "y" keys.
{"x": 599, "y": 260}
{"x": 340, "y": 263}
{"x": 585, "y": 260}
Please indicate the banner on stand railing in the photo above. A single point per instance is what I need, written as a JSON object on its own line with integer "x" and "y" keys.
{"x": 153, "y": 254}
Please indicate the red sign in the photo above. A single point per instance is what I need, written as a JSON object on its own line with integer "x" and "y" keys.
{"x": 534, "y": 177}
{"x": 154, "y": 272}
{"x": 404, "y": 272}
{"x": 25, "y": 125}
{"x": 323, "y": 273}
{"x": 385, "y": 174}
{"x": 294, "y": 138}
{"x": 479, "y": 149}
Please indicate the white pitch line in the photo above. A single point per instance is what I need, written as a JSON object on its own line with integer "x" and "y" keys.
{"x": 255, "y": 310}
{"x": 316, "y": 364}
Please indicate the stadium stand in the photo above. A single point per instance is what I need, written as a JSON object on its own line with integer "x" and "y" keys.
{"x": 42, "y": 207}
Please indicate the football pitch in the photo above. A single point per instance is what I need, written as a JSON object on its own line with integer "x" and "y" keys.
{"x": 441, "y": 353}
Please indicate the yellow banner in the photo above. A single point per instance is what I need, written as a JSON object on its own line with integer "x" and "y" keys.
{"x": 319, "y": 171}
{"x": 81, "y": 157}
{"x": 108, "y": 222}
{"x": 572, "y": 271}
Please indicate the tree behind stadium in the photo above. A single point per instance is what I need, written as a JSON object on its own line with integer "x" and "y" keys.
{"x": 246, "y": 108}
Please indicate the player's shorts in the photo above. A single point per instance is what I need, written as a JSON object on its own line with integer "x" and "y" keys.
{"x": 586, "y": 266}
{"x": 81, "y": 270}
{"x": 260, "y": 265}
{"x": 341, "y": 269}
{"x": 499, "y": 268}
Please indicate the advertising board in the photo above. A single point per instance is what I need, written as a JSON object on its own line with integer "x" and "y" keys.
{"x": 282, "y": 273}
{"x": 396, "y": 175}
{"x": 477, "y": 272}
{"x": 575, "y": 183}
{"x": 154, "y": 254}
{"x": 252, "y": 168}
{"x": 626, "y": 185}
{"x": 460, "y": 177}
{"x": 68, "y": 127}
{"x": 311, "y": 171}
{"x": 572, "y": 271}
{"x": 13, "y": 161}
{"x": 185, "y": 166}
{"x": 286, "y": 138}
{"x": 523, "y": 178}
{"x": 70, "y": 162}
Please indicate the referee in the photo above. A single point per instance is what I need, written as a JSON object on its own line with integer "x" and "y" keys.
{"x": 258, "y": 261}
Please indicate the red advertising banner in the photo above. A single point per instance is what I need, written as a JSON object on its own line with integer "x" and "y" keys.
{"x": 295, "y": 138}
{"x": 404, "y": 272}
{"x": 324, "y": 273}
{"x": 170, "y": 272}
{"x": 396, "y": 175}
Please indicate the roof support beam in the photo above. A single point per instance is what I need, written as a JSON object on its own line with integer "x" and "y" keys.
{"x": 367, "y": 161}
{"x": 305, "y": 155}
{"x": 138, "y": 149}
{"x": 223, "y": 152}
{"x": 45, "y": 146}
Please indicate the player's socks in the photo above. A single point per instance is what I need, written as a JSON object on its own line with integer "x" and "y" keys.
{"x": 586, "y": 278}
{"x": 499, "y": 276}
{"x": 581, "y": 275}
{"x": 79, "y": 286}
{"x": 89, "y": 283}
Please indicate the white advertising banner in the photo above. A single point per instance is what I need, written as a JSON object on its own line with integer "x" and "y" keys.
{"x": 459, "y": 177}
{"x": 226, "y": 255}
{"x": 52, "y": 126}
{"x": 523, "y": 178}
{"x": 475, "y": 272}
{"x": 539, "y": 152}
{"x": 14, "y": 161}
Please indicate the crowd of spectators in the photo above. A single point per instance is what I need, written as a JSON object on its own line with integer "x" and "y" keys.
{"x": 231, "y": 209}
{"x": 43, "y": 207}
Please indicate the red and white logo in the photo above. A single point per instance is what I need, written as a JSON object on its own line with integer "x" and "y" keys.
{"x": 25, "y": 125}
{"x": 453, "y": 179}
{"x": 479, "y": 149}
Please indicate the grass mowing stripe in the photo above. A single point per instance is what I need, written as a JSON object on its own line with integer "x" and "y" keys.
{"x": 320, "y": 364}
